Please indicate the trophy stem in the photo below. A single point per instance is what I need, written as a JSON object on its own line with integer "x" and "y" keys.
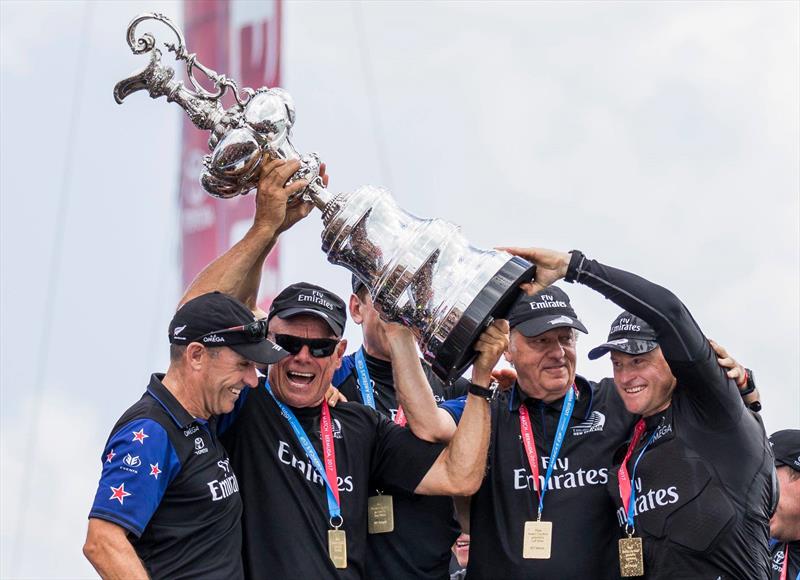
{"x": 318, "y": 195}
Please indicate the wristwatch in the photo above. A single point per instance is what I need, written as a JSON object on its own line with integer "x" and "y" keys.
{"x": 483, "y": 392}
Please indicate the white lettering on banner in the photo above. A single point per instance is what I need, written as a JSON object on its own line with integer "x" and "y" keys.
{"x": 286, "y": 457}
{"x": 652, "y": 499}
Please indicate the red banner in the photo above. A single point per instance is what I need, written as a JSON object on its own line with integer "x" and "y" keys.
{"x": 242, "y": 40}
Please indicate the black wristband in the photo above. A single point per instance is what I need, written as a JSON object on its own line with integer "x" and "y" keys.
{"x": 750, "y": 385}
{"x": 480, "y": 391}
{"x": 575, "y": 262}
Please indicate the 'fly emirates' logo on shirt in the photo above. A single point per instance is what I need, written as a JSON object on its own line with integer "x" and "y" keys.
{"x": 286, "y": 457}
{"x": 564, "y": 476}
{"x": 650, "y": 500}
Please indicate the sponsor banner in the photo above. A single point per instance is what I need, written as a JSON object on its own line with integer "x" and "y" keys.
{"x": 240, "y": 39}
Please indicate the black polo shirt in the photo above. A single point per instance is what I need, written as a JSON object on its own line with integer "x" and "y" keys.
{"x": 424, "y": 526}
{"x": 286, "y": 520}
{"x": 584, "y": 542}
{"x": 780, "y": 552}
{"x": 167, "y": 480}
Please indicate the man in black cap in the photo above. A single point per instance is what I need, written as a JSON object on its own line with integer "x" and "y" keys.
{"x": 168, "y": 502}
{"x": 424, "y": 528}
{"x": 784, "y": 527}
{"x": 693, "y": 486}
{"x": 306, "y": 469}
{"x": 543, "y": 511}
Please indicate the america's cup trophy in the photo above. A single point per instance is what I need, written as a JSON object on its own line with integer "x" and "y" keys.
{"x": 420, "y": 272}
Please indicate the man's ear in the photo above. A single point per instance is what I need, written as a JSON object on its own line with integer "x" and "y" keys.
{"x": 340, "y": 350}
{"x": 196, "y": 355}
{"x": 355, "y": 309}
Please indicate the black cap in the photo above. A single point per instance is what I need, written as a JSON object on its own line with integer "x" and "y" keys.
{"x": 356, "y": 283}
{"x": 629, "y": 334}
{"x": 305, "y": 298}
{"x": 203, "y": 319}
{"x": 786, "y": 448}
{"x": 545, "y": 310}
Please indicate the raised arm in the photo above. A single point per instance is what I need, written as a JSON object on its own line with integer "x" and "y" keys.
{"x": 109, "y": 551}
{"x": 238, "y": 271}
{"x": 425, "y": 419}
{"x": 684, "y": 346}
{"x": 459, "y": 469}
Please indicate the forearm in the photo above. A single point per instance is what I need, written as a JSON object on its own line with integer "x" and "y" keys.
{"x": 460, "y": 468}
{"x": 678, "y": 334}
{"x": 111, "y": 554}
{"x": 238, "y": 271}
{"x": 425, "y": 419}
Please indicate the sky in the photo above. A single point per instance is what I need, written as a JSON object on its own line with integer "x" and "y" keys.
{"x": 661, "y": 138}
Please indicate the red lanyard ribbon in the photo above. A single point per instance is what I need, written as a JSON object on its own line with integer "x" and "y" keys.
{"x": 622, "y": 474}
{"x": 785, "y": 567}
{"x": 530, "y": 445}
{"x": 328, "y": 451}
{"x": 400, "y": 416}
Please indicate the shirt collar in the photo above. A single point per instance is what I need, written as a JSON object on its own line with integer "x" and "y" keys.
{"x": 585, "y": 393}
{"x": 174, "y": 409}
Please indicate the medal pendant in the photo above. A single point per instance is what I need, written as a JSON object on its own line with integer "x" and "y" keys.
{"x": 380, "y": 514}
{"x": 337, "y": 548}
{"x": 537, "y": 539}
{"x": 631, "y": 560}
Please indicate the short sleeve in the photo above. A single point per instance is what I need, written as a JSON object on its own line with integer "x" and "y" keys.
{"x": 139, "y": 462}
{"x": 401, "y": 460}
{"x": 455, "y": 407}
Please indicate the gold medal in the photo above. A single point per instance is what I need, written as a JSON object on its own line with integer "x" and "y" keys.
{"x": 537, "y": 539}
{"x": 380, "y": 519}
{"x": 337, "y": 548}
{"x": 631, "y": 560}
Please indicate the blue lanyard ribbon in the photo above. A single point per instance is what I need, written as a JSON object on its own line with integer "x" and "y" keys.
{"x": 364, "y": 381}
{"x": 333, "y": 505}
{"x": 632, "y": 504}
{"x": 561, "y": 431}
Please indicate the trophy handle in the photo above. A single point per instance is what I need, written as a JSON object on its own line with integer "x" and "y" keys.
{"x": 222, "y": 83}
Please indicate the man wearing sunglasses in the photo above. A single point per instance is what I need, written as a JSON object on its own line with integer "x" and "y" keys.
{"x": 168, "y": 501}
{"x": 306, "y": 469}
{"x": 288, "y": 445}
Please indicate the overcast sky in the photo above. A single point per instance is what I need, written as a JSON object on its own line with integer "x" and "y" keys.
{"x": 662, "y": 138}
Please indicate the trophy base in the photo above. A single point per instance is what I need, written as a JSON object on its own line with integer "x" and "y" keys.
{"x": 493, "y": 301}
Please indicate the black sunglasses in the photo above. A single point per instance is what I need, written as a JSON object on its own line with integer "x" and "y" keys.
{"x": 255, "y": 331}
{"x": 318, "y": 347}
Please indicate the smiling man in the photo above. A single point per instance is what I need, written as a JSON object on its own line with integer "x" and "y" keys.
{"x": 167, "y": 505}
{"x": 694, "y": 484}
{"x": 306, "y": 470}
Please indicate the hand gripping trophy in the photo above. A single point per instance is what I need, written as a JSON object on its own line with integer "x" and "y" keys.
{"x": 420, "y": 272}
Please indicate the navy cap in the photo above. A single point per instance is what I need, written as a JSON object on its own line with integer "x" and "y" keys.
{"x": 216, "y": 319}
{"x": 545, "y": 310}
{"x": 786, "y": 448}
{"x": 629, "y": 334}
{"x": 305, "y": 298}
{"x": 356, "y": 283}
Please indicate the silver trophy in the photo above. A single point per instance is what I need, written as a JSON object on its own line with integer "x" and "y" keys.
{"x": 420, "y": 272}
